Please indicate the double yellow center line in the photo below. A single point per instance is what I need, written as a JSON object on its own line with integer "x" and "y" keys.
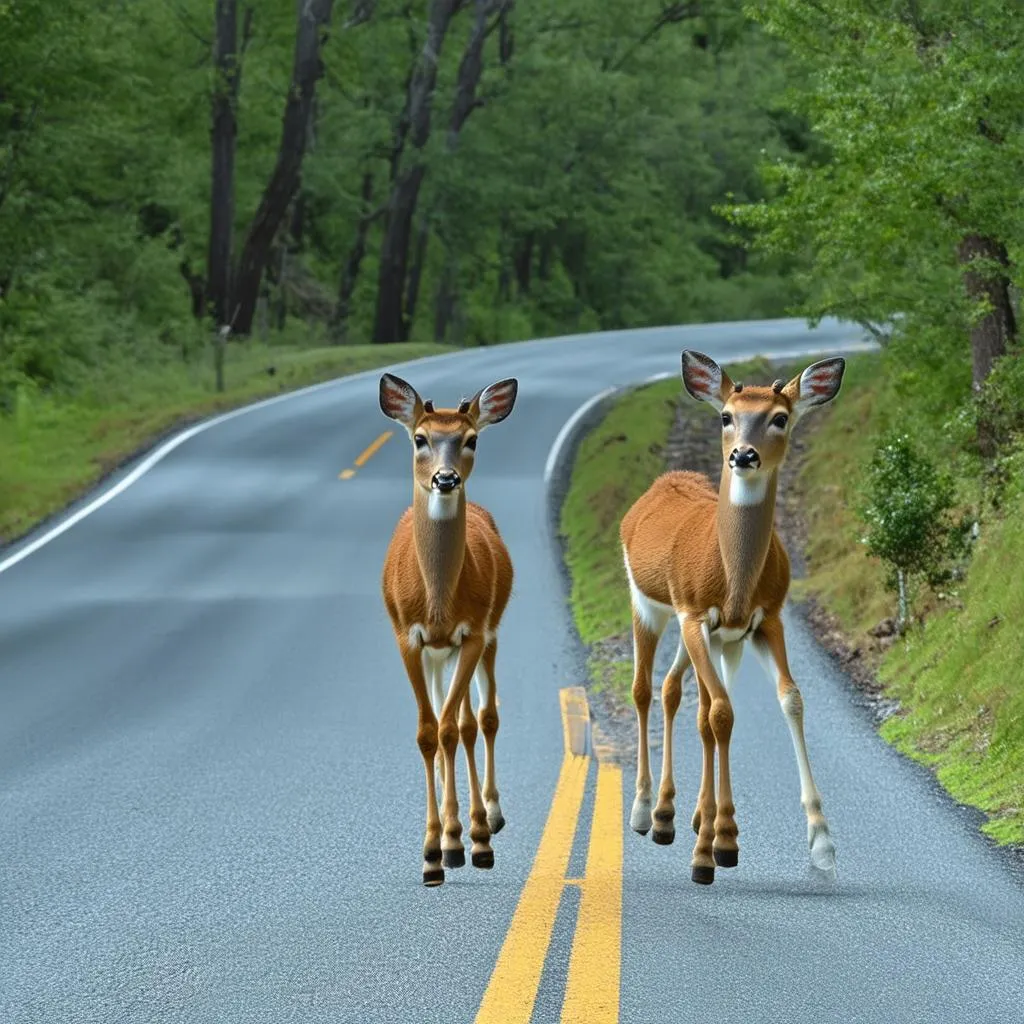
{"x": 592, "y": 986}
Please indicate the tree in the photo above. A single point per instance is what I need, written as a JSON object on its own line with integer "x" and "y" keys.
{"x": 314, "y": 17}
{"x": 907, "y": 510}
{"x": 913, "y": 217}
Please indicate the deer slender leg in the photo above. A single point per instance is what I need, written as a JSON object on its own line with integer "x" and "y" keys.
{"x": 717, "y": 824}
{"x": 487, "y": 715}
{"x": 434, "y": 668}
{"x": 770, "y": 646}
{"x": 427, "y": 740}
{"x": 671, "y": 695}
{"x": 726, "y": 848}
{"x": 647, "y": 630}
{"x": 454, "y": 853}
{"x": 479, "y": 832}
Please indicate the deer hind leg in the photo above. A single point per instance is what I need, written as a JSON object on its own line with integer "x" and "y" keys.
{"x": 453, "y": 852}
{"x": 427, "y": 740}
{"x": 717, "y": 833}
{"x": 647, "y": 630}
{"x": 770, "y": 645}
{"x": 488, "y": 719}
{"x": 482, "y": 856}
{"x": 671, "y": 695}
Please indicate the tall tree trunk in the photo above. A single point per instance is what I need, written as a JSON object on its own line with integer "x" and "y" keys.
{"x": 350, "y": 272}
{"x": 394, "y": 255}
{"x": 223, "y": 131}
{"x": 444, "y": 307}
{"x": 415, "y": 277}
{"x": 986, "y": 278}
{"x": 313, "y": 18}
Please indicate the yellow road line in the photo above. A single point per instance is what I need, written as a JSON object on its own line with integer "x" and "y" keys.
{"x": 592, "y": 988}
{"x": 368, "y": 454}
{"x": 512, "y": 990}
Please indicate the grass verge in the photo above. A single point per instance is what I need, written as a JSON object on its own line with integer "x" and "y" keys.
{"x": 52, "y": 451}
{"x": 958, "y": 677}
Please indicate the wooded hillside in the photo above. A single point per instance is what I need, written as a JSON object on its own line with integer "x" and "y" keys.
{"x": 375, "y": 170}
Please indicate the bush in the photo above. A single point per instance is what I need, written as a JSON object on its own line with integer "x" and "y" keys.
{"x": 908, "y": 514}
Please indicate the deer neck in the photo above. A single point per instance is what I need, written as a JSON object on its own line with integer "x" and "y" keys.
{"x": 746, "y": 518}
{"x": 439, "y": 531}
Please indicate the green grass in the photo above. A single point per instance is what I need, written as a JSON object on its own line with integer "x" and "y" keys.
{"x": 614, "y": 465}
{"x": 961, "y": 682}
{"x": 52, "y": 451}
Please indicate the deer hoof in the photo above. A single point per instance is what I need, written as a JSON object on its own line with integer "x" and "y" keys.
{"x": 727, "y": 858}
{"x": 701, "y": 874}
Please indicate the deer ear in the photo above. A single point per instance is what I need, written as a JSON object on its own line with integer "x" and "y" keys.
{"x": 399, "y": 401}
{"x": 493, "y": 403}
{"x": 818, "y": 384}
{"x": 705, "y": 380}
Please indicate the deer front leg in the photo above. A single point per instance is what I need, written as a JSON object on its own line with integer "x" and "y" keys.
{"x": 487, "y": 714}
{"x": 426, "y": 739}
{"x": 453, "y": 852}
{"x": 671, "y": 695}
{"x": 716, "y": 840}
{"x": 770, "y": 646}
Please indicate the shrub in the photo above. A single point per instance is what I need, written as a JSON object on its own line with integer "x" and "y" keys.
{"x": 908, "y": 512}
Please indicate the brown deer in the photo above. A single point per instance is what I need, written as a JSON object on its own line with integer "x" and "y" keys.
{"x": 717, "y": 564}
{"x": 447, "y": 579}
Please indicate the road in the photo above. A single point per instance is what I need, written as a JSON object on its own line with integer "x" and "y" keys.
{"x": 211, "y": 801}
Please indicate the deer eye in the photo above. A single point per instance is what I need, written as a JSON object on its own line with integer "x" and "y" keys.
{"x": 726, "y": 419}
{"x": 471, "y": 443}
{"x": 780, "y": 421}
{"x": 420, "y": 440}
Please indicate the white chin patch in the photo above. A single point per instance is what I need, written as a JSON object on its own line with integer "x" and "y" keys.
{"x": 443, "y": 506}
{"x": 748, "y": 488}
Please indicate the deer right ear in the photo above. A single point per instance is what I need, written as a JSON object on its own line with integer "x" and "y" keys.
{"x": 705, "y": 380}
{"x": 399, "y": 401}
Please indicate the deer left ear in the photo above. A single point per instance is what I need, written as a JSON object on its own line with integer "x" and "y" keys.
{"x": 817, "y": 385}
{"x": 705, "y": 380}
{"x": 399, "y": 401}
{"x": 493, "y": 403}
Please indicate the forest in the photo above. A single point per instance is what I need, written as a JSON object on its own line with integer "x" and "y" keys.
{"x": 379, "y": 171}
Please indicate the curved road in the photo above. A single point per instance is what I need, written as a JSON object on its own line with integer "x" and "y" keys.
{"x": 211, "y": 802}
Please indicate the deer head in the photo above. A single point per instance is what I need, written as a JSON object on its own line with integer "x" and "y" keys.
{"x": 757, "y": 421}
{"x": 444, "y": 440}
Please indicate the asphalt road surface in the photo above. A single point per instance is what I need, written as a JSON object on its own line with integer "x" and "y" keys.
{"x": 211, "y": 800}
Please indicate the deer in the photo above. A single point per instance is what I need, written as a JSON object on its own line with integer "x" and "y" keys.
{"x": 716, "y": 563}
{"x": 446, "y": 581}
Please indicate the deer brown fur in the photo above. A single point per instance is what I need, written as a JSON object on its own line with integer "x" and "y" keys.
{"x": 715, "y": 561}
{"x": 446, "y": 581}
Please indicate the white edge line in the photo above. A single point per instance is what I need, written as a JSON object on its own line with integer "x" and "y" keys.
{"x": 555, "y": 452}
{"x": 178, "y": 439}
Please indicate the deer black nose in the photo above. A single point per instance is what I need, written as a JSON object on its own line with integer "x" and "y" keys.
{"x": 446, "y": 480}
{"x": 744, "y": 458}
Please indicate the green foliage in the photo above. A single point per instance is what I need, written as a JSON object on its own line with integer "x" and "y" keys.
{"x": 917, "y": 105}
{"x": 592, "y": 211}
{"x": 907, "y": 513}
